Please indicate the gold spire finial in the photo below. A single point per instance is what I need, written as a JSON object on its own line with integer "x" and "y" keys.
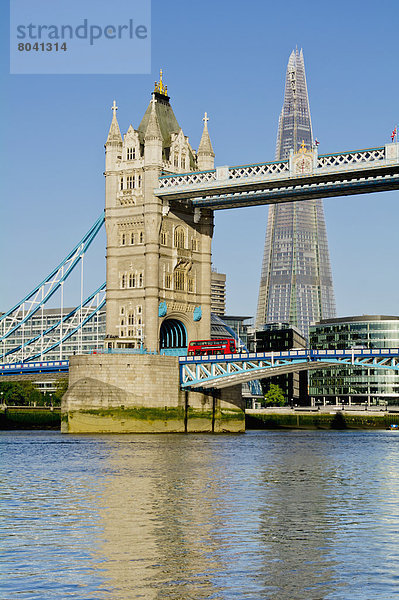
{"x": 160, "y": 88}
{"x": 303, "y": 147}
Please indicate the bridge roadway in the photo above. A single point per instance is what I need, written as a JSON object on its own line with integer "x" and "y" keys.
{"x": 304, "y": 176}
{"x": 223, "y": 370}
{"x": 220, "y": 371}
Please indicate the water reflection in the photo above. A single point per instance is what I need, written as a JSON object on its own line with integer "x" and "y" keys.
{"x": 298, "y": 524}
{"x": 265, "y": 516}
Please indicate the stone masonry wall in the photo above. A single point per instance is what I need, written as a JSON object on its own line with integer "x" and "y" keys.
{"x": 141, "y": 393}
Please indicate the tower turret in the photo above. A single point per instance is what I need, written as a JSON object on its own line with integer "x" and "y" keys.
{"x": 205, "y": 154}
{"x": 113, "y": 154}
{"x": 153, "y": 138}
{"x": 113, "y": 145}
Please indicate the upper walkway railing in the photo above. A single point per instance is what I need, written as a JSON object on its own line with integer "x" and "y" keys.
{"x": 303, "y": 173}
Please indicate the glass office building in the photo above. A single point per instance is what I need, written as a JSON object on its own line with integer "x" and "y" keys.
{"x": 296, "y": 283}
{"x": 351, "y": 385}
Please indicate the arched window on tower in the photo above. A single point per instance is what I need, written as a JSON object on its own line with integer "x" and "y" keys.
{"x": 179, "y": 237}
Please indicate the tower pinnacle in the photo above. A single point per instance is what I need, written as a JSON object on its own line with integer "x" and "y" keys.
{"x": 114, "y": 134}
{"x": 205, "y": 152}
{"x": 160, "y": 88}
{"x": 153, "y": 130}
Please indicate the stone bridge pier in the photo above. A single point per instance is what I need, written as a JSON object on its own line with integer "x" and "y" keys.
{"x": 121, "y": 393}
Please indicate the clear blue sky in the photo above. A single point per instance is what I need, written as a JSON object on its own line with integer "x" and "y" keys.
{"x": 228, "y": 58}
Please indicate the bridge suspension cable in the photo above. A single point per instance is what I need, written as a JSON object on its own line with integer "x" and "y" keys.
{"x": 19, "y": 314}
{"x": 55, "y": 336}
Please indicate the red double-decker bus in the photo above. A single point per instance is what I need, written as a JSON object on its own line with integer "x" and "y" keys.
{"x": 217, "y": 346}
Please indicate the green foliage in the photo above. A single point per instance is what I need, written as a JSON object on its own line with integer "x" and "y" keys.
{"x": 24, "y": 393}
{"x": 19, "y": 393}
{"x": 61, "y": 387}
{"x": 274, "y": 397}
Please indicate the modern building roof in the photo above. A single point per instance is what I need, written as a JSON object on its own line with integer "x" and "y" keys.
{"x": 358, "y": 318}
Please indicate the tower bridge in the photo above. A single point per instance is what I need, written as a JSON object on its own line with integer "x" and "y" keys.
{"x": 304, "y": 176}
{"x": 160, "y": 198}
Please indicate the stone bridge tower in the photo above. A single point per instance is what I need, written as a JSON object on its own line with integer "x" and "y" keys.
{"x": 158, "y": 255}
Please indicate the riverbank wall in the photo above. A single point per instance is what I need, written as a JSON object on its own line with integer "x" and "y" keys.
{"x": 132, "y": 393}
{"x": 311, "y": 419}
{"x": 26, "y": 417}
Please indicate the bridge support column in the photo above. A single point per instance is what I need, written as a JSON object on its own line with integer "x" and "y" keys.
{"x": 113, "y": 393}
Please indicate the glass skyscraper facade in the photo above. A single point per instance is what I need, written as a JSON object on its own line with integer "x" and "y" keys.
{"x": 351, "y": 383}
{"x": 296, "y": 283}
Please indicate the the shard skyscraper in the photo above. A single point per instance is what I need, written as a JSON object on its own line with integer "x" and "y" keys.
{"x": 296, "y": 283}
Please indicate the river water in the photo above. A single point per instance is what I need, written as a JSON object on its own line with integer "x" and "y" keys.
{"x": 265, "y": 515}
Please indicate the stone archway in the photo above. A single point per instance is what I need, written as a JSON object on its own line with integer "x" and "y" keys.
{"x": 173, "y": 334}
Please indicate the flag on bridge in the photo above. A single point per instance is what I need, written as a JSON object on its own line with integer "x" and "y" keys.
{"x": 394, "y": 132}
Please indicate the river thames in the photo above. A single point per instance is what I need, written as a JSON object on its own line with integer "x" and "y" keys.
{"x": 281, "y": 515}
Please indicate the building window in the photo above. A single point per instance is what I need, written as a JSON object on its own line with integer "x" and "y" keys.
{"x": 140, "y": 279}
{"x": 121, "y": 183}
{"x": 190, "y": 284}
{"x": 179, "y": 237}
{"x": 183, "y": 161}
{"x": 139, "y": 181}
{"x": 139, "y": 309}
{"x": 131, "y": 319}
{"x": 131, "y": 153}
{"x": 122, "y": 310}
{"x": 130, "y": 182}
{"x": 141, "y": 237}
{"x": 168, "y": 281}
{"x": 123, "y": 239}
{"x": 132, "y": 238}
{"x": 123, "y": 281}
{"x": 122, "y": 322}
{"x": 163, "y": 238}
{"x": 195, "y": 244}
{"x": 179, "y": 277}
{"x": 132, "y": 280}
{"x": 176, "y": 160}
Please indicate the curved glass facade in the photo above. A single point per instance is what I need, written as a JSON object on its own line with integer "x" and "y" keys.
{"x": 354, "y": 385}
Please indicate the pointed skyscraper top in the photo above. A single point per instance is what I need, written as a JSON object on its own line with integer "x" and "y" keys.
{"x": 114, "y": 134}
{"x": 153, "y": 130}
{"x": 294, "y": 124}
{"x": 205, "y": 146}
{"x": 296, "y": 284}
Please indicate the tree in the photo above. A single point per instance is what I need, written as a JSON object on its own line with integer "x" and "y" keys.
{"x": 20, "y": 393}
{"x": 61, "y": 386}
{"x": 275, "y": 396}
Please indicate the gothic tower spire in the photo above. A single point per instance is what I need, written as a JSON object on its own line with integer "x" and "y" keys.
{"x": 205, "y": 154}
{"x": 114, "y": 134}
{"x": 153, "y": 131}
